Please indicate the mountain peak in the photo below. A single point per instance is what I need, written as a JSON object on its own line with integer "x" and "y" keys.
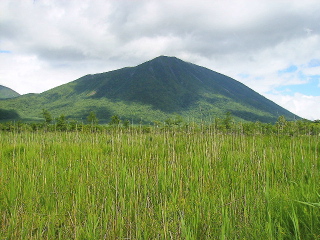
{"x": 164, "y": 59}
{"x": 171, "y": 85}
{"x": 158, "y": 89}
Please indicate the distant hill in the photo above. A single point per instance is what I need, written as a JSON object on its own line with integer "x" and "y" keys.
{"x": 155, "y": 90}
{"x": 6, "y": 92}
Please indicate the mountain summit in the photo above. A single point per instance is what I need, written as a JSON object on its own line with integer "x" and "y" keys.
{"x": 155, "y": 90}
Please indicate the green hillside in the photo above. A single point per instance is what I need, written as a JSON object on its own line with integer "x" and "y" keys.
{"x": 6, "y": 93}
{"x": 155, "y": 90}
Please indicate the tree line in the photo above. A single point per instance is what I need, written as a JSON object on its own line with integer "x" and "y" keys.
{"x": 227, "y": 125}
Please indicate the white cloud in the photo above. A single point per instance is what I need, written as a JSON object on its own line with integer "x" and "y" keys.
{"x": 313, "y": 71}
{"x": 63, "y": 40}
{"x": 304, "y": 106}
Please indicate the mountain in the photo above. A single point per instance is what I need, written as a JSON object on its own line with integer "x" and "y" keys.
{"x": 155, "y": 90}
{"x": 6, "y": 92}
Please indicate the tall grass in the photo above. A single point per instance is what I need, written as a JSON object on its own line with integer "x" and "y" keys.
{"x": 158, "y": 185}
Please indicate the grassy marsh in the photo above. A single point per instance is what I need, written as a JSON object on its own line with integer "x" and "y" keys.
{"x": 158, "y": 185}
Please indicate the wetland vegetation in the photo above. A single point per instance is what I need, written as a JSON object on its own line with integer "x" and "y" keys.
{"x": 166, "y": 181}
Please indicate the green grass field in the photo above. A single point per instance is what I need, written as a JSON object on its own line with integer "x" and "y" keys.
{"x": 158, "y": 185}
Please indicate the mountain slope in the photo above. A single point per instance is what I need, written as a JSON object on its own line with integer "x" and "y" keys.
{"x": 154, "y": 90}
{"x": 6, "y": 92}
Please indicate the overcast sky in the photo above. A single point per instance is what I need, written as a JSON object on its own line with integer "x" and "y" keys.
{"x": 272, "y": 46}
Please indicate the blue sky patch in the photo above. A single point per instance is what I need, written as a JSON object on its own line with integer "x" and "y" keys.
{"x": 243, "y": 75}
{"x": 289, "y": 69}
{"x": 5, "y": 51}
{"x": 314, "y": 63}
{"x": 311, "y": 88}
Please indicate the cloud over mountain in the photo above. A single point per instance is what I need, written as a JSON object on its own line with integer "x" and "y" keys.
{"x": 248, "y": 40}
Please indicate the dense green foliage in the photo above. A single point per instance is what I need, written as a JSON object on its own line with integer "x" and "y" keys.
{"x": 225, "y": 125}
{"x": 6, "y": 92}
{"x": 164, "y": 182}
{"x": 155, "y": 90}
{"x": 8, "y": 114}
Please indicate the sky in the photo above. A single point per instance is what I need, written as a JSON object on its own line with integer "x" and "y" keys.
{"x": 272, "y": 46}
